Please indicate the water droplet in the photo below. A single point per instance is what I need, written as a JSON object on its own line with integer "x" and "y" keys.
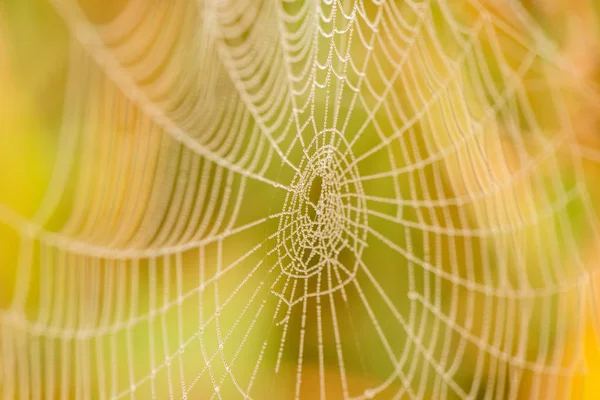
{"x": 221, "y": 346}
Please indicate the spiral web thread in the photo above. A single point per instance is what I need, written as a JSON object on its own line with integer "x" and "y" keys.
{"x": 338, "y": 199}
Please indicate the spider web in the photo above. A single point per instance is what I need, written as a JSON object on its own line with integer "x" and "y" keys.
{"x": 314, "y": 199}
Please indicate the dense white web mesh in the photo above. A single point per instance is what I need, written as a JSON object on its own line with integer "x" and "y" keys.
{"x": 308, "y": 199}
